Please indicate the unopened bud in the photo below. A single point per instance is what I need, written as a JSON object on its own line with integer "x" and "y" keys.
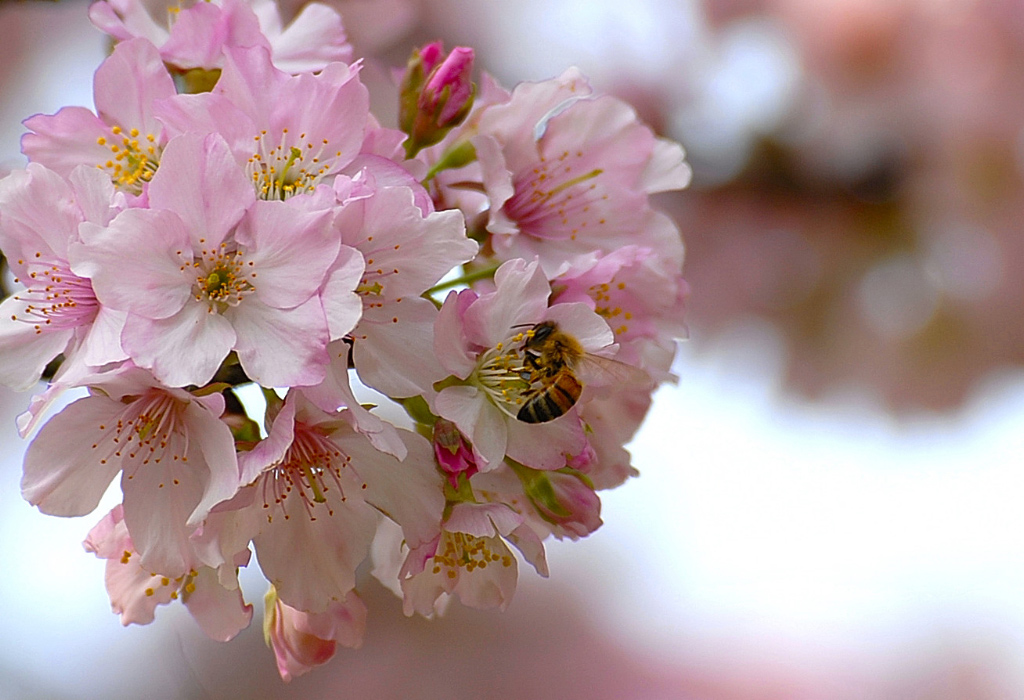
{"x": 436, "y": 94}
{"x": 452, "y": 453}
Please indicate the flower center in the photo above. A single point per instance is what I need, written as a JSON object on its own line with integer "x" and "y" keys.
{"x": 606, "y": 308}
{"x": 133, "y": 162}
{"x": 502, "y": 373}
{"x": 312, "y": 467}
{"x": 554, "y": 199}
{"x": 462, "y": 551}
{"x": 56, "y": 298}
{"x": 291, "y": 166}
{"x": 148, "y": 430}
{"x": 223, "y": 277}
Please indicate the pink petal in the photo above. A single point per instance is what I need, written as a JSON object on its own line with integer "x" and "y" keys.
{"x": 521, "y": 299}
{"x": 291, "y": 250}
{"x": 409, "y": 492}
{"x": 450, "y": 343}
{"x": 127, "y": 83}
{"x": 24, "y": 352}
{"x": 155, "y": 285}
{"x": 341, "y": 304}
{"x": 272, "y": 449}
{"x": 667, "y": 169}
{"x": 478, "y": 419}
{"x": 281, "y": 348}
{"x": 221, "y": 612}
{"x": 313, "y": 562}
{"x": 63, "y": 475}
{"x": 312, "y": 40}
{"x": 40, "y": 216}
{"x": 395, "y": 355}
{"x": 65, "y": 140}
{"x": 213, "y": 440}
{"x": 199, "y": 180}
{"x": 184, "y": 349}
{"x": 545, "y": 445}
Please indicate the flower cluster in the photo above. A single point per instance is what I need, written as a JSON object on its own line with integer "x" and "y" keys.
{"x": 232, "y": 214}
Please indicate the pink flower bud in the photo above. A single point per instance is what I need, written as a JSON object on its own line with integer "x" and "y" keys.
{"x": 302, "y": 640}
{"x": 573, "y": 505}
{"x": 455, "y": 74}
{"x": 431, "y": 55}
{"x": 452, "y": 453}
{"x": 436, "y": 94}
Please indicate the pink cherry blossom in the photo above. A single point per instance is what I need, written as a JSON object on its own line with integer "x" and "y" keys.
{"x": 217, "y": 273}
{"x": 469, "y": 559}
{"x": 406, "y": 252}
{"x": 567, "y": 171}
{"x": 125, "y": 140}
{"x": 135, "y": 592}
{"x": 480, "y": 341}
{"x": 302, "y": 640}
{"x": 317, "y": 493}
{"x": 289, "y": 133}
{"x": 176, "y": 458}
{"x": 57, "y": 312}
{"x": 195, "y": 35}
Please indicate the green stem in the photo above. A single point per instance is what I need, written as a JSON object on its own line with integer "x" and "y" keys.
{"x": 455, "y": 157}
{"x": 467, "y": 278}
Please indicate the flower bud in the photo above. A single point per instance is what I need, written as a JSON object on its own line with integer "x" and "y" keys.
{"x": 436, "y": 94}
{"x": 302, "y": 640}
{"x": 452, "y": 453}
{"x": 565, "y": 500}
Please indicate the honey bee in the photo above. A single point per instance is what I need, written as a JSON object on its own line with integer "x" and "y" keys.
{"x": 556, "y": 362}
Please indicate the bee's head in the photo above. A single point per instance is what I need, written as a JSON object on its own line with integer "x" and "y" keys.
{"x": 541, "y": 332}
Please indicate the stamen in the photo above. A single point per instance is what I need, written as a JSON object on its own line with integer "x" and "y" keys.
{"x": 221, "y": 279}
{"x": 463, "y": 551}
{"x": 56, "y": 298}
{"x": 290, "y": 167}
{"x": 311, "y": 468}
{"x": 134, "y": 162}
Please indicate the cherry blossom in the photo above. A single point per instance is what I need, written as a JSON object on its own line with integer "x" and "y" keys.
{"x": 125, "y": 139}
{"x": 318, "y": 484}
{"x": 136, "y": 592}
{"x": 234, "y": 223}
{"x": 57, "y": 311}
{"x": 289, "y": 133}
{"x": 176, "y": 459}
{"x": 221, "y": 273}
{"x": 480, "y": 341}
{"x": 406, "y": 253}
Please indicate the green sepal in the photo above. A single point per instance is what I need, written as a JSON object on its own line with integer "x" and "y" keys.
{"x": 539, "y": 490}
{"x": 461, "y": 154}
{"x": 269, "y": 613}
{"x": 418, "y": 410}
{"x": 452, "y": 495}
{"x": 195, "y": 80}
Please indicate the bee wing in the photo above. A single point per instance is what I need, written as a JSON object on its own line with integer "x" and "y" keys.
{"x": 603, "y": 371}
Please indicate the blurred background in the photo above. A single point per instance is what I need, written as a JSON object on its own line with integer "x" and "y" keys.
{"x": 829, "y": 505}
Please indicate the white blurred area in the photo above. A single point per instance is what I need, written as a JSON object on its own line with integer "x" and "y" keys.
{"x": 772, "y": 549}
